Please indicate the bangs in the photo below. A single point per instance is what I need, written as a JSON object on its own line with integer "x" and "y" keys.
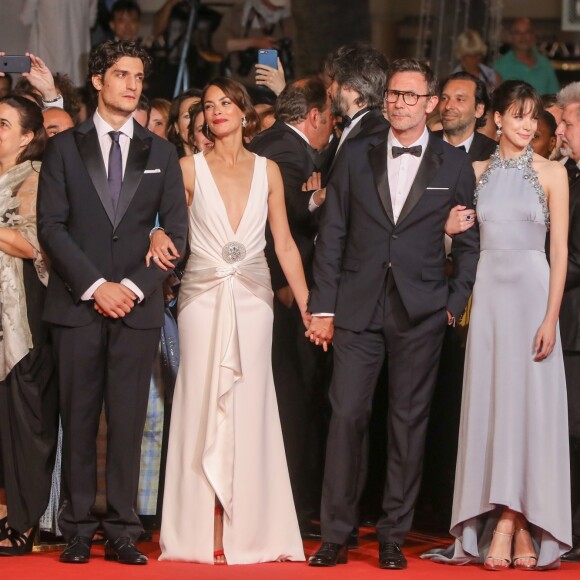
{"x": 527, "y": 105}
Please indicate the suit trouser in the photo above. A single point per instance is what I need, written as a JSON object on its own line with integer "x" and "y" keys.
{"x": 105, "y": 361}
{"x": 572, "y": 369}
{"x": 413, "y": 357}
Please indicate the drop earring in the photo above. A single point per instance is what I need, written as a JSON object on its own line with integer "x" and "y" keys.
{"x": 244, "y": 122}
{"x": 498, "y": 132}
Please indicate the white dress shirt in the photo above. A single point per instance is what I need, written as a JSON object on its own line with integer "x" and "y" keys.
{"x": 103, "y": 129}
{"x": 348, "y": 129}
{"x": 403, "y": 170}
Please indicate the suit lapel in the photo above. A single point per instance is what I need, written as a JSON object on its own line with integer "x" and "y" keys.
{"x": 475, "y": 149}
{"x": 136, "y": 163}
{"x": 89, "y": 148}
{"x": 378, "y": 162}
{"x": 427, "y": 169}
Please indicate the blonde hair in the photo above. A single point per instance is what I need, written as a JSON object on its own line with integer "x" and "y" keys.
{"x": 469, "y": 43}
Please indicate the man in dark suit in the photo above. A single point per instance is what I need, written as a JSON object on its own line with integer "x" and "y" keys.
{"x": 463, "y": 105}
{"x": 380, "y": 289}
{"x": 569, "y": 131}
{"x": 303, "y": 127}
{"x": 101, "y": 187}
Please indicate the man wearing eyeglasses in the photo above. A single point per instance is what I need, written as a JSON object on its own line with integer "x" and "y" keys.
{"x": 380, "y": 290}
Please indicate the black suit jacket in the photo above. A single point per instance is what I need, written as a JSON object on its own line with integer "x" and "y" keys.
{"x": 570, "y": 308}
{"x": 86, "y": 239}
{"x": 297, "y": 160}
{"x": 482, "y": 147}
{"x": 358, "y": 240}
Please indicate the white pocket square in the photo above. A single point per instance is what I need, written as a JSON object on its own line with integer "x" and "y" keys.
{"x": 152, "y": 171}
{"x": 439, "y": 188}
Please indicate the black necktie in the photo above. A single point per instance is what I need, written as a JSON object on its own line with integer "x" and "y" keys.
{"x": 415, "y": 150}
{"x": 462, "y": 147}
{"x": 115, "y": 177}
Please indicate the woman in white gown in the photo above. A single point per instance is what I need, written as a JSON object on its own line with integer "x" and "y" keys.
{"x": 227, "y": 491}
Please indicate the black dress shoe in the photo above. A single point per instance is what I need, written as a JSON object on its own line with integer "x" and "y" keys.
{"x": 77, "y": 551}
{"x": 352, "y": 542}
{"x": 391, "y": 557}
{"x": 124, "y": 551}
{"x": 572, "y": 555}
{"x": 329, "y": 554}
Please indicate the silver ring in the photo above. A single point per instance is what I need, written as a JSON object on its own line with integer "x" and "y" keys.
{"x": 155, "y": 258}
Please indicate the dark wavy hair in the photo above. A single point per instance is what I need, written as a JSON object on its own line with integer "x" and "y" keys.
{"x": 299, "y": 98}
{"x": 239, "y": 96}
{"x": 518, "y": 94}
{"x": 31, "y": 121}
{"x": 105, "y": 55}
{"x": 172, "y": 134}
{"x": 361, "y": 68}
{"x": 480, "y": 92}
{"x": 194, "y": 111}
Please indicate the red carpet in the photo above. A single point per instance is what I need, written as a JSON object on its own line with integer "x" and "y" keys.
{"x": 362, "y": 566}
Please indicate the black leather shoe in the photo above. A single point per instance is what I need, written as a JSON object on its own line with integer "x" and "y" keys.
{"x": 77, "y": 551}
{"x": 352, "y": 542}
{"x": 572, "y": 555}
{"x": 329, "y": 554}
{"x": 391, "y": 557}
{"x": 309, "y": 530}
{"x": 124, "y": 551}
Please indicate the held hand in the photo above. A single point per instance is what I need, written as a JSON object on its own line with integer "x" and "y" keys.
{"x": 41, "y": 78}
{"x": 270, "y": 77}
{"x": 313, "y": 183}
{"x": 114, "y": 300}
{"x": 321, "y": 330}
{"x": 545, "y": 341}
{"x": 306, "y": 318}
{"x": 460, "y": 220}
{"x": 161, "y": 251}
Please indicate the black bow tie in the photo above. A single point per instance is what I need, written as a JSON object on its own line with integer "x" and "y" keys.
{"x": 415, "y": 150}
{"x": 347, "y": 121}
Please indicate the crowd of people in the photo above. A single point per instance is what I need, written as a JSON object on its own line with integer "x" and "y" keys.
{"x": 231, "y": 282}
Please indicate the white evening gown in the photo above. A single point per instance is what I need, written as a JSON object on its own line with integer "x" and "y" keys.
{"x": 225, "y": 438}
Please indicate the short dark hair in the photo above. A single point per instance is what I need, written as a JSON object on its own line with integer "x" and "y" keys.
{"x": 8, "y": 77}
{"x": 121, "y": 6}
{"x": 361, "y": 68}
{"x": 31, "y": 120}
{"x": 105, "y": 55}
{"x": 194, "y": 111}
{"x": 480, "y": 92}
{"x": 299, "y": 98}
{"x": 238, "y": 94}
{"x": 144, "y": 105}
{"x": 550, "y": 100}
{"x": 517, "y": 93}
{"x": 419, "y": 66}
{"x": 172, "y": 134}
{"x": 550, "y": 121}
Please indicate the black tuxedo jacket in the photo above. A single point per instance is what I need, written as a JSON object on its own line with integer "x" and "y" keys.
{"x": 570, "y": 308}
{"x": 482, "y": 147}
{"x": 297, "y": 160}
{"x": 358, "y": 240}
{"x": 86, "y": 239}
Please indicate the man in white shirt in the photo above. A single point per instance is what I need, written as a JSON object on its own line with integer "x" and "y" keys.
{"x": 101, "y": 187}
{"x": 379, "y": 291}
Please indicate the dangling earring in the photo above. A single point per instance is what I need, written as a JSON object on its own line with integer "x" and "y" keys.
{"x": 498, "y": 132}
{"x": 244, "y": 122}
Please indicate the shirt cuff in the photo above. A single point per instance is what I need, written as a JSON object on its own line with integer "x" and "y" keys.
{"x": 58, "y": 103}
{"x": 312, "y": 205}
{"x": 88, "y": 295}
{"x": 322, "y": 314}
{"x": 134, "y": 288}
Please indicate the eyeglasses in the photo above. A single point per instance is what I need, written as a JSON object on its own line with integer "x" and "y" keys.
{"x": 409, "y": 97}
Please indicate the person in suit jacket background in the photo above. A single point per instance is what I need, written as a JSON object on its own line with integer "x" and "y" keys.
{"x": 380, "y": 287}
{"x": 303, "y": 127}
{"x": 463, "y": 105}
{"x": 569, "y": 131}
{"x": 101, "y": 187}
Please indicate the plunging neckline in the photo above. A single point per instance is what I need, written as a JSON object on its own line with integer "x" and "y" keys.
{"x": 222, "y": 203}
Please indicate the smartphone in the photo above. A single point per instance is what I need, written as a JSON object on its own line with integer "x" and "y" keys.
{"x": 268, "y": 57}
{"x": 16, "y": 63}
